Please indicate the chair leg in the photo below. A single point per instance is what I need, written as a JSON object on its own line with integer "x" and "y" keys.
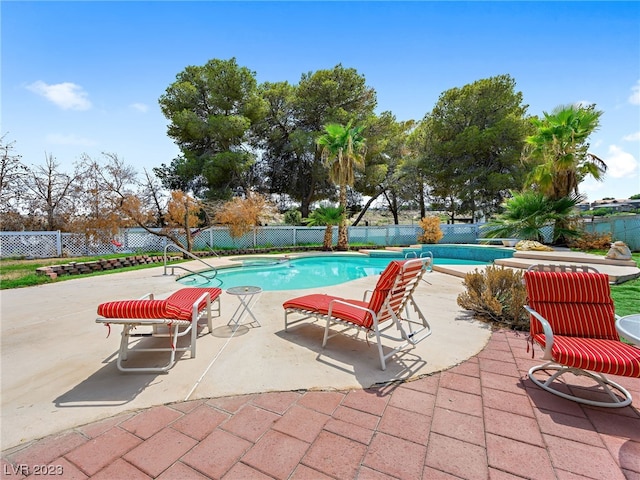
{"x": 326, "y": 333}
{"x": 123, "y": 353}
{"x": 194, "y": 336}
{"x": 607, "y": 386}
{"x": 383, "y": 363}
{"x": 124, "y": 342}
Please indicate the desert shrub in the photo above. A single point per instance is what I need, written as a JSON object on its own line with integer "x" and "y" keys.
{"x": 431, "y": 230}
{"x": 591, "y": 241}
{"x": 496, "y": 294}
{"x": 241, "y": 215}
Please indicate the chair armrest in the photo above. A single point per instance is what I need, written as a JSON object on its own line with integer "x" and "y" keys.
{"x": 343, "y": 302}
{"x": 196, "y": 304}
{"x": 366, "y": 294}
{"x": 548, "y": 332}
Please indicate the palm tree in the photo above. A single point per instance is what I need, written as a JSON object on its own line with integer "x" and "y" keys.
{"x": 326, "y": 216}
{"x": 559, "y": 147}
{"x": 527, "y": 213}
{"x": 559, "y": 152}
{"x": 342, "y": 150}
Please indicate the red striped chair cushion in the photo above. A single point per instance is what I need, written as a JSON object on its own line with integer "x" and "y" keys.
{"x": 316, "y": 302}
{"x": 134, "y": 309}
{"x": 385, "y": 283}
{"x": 319, "y": 303}
{"x": 180, "y": 303}
{"x": 388, "y": 283}
{"x": 568, "y": 287}
{"x": 357, "y": 316}
{"x": 598, "y": 355}
{"x": 401, "y": 289}
{"x": 577, "y": 320}
{"x": 574, "y": 303}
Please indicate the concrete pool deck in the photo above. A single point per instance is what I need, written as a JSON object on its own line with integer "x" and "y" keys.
{"x": 58, "y": 367}
{"x": 60, "y": 385}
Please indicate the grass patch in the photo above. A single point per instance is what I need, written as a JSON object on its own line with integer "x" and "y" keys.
{"x": 18, "y": 273}
{"x": 626, "y": 296}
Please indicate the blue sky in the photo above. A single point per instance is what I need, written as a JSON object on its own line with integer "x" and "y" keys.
{"x": 85, "y": 77}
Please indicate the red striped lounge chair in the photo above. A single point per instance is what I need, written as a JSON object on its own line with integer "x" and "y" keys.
{"x": 387, "y": 308}
{"x": 173, "y": 317}
{"x": 572, "y": 319}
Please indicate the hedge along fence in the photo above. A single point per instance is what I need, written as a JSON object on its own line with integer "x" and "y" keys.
{"x": 137, "y": 240}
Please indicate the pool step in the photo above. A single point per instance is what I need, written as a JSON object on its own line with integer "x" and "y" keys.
{"x": 560, "y": 256}
{"x": 617, "y": 273}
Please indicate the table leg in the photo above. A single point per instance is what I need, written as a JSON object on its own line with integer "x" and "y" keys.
{"x": 242, "y": 310}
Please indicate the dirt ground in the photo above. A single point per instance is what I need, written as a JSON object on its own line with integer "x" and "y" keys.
{"x": 384, "y": 217}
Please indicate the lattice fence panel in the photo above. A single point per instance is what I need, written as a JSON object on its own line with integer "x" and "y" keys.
{"x": 53, "y": 244}
{"x": 460, "y": 233}
{"x": 222, "y": 239}
{"x": 78, "y": 244}
{"x": 275, "y": 236}
{"x": 29, "y": 244}
{"x": 624, "y": 228}
{"x": 311, "y": 236}
{"x": 139, "y": 240}
{"x": 369, "y": 235}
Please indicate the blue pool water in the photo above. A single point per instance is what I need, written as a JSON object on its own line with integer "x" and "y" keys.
{"x": 480, "y": 253}
{"x": 305, "y": 272}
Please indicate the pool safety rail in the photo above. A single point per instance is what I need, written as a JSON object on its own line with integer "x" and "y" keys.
{"x": 426, "y": 254}
{"x": 211, "y": 271}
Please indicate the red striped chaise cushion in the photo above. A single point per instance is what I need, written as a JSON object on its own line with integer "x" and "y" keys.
{"x": 178, "y": 305}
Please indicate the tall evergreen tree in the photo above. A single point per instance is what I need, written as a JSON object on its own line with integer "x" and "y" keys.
{"x": 211, "y": 109}
{"x": 470, "y": 146}
{"x": 295, "y": 119}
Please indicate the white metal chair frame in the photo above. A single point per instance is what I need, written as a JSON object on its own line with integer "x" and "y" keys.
{"x": 408, "y": 336}
{"x": 540, "y": 267}
{"x": 604, "y": 382}
{"x": 162, "y": 327}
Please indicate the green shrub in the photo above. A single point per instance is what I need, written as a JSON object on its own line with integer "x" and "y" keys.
{"x": 498, "y": 295}
{"x": 293, "y": 217}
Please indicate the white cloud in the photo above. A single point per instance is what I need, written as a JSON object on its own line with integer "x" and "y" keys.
{"x": 634, "y": 137}
{"x": 620, "y": 163}
{"x": 634, "y": 99}
{"x": 141, "y": 107}
{"x": 67, "y": 95}
{"x": 59, "y": 139}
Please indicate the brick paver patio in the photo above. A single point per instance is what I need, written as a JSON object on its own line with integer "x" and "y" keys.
{"x": 481, "y": 419}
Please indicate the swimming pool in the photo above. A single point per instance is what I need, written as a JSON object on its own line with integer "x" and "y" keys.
{"x": 304, "y": 272}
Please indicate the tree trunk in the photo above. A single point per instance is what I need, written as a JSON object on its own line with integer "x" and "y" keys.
{"x": 343, "y": 239}
{"x": 50, "y": 219}
{"x": 305, "y": 204}
{"x": 392, "y": 201}
{"x": 327, "y": 244}
{"x": 364, "y": 210}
